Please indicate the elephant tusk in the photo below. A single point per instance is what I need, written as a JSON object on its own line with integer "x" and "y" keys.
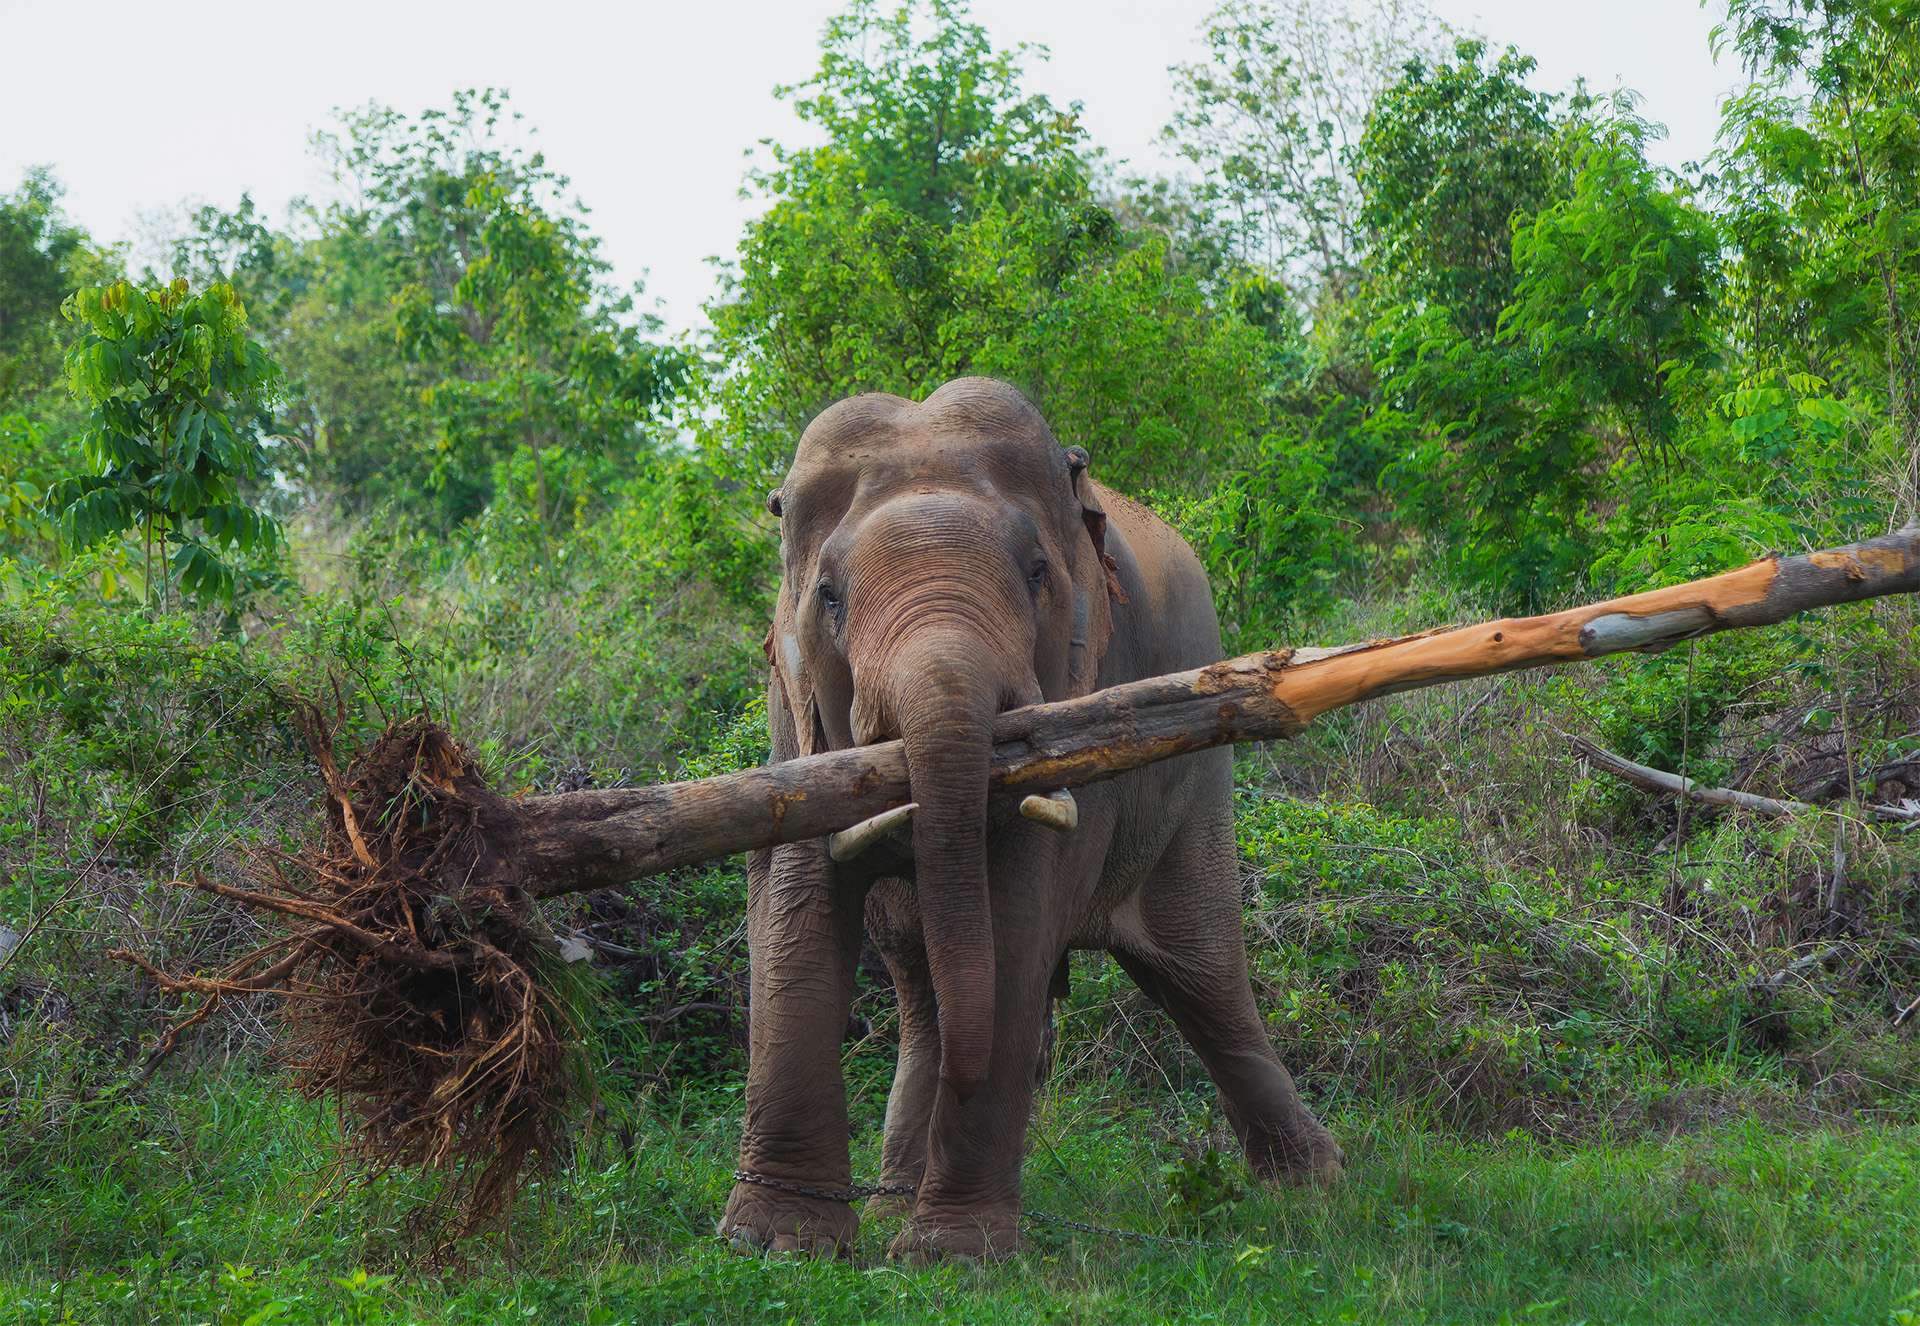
{"x": 1056, "y": 810}
{"x": 849, "y": 843}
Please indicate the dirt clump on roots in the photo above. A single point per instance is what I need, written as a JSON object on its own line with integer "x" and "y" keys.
{"x": 412, "y": 968}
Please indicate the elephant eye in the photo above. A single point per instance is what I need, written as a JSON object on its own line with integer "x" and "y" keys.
{"x": 830, "y": 602}
{"x": 1037, "y": 578}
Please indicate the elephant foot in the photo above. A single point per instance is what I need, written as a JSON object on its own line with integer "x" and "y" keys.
{"x": 980, "y": 1237}
{"x": 760, "y": 1219}
{"x": 888, "y": 1206}
{"x": 1307, "y": 1157}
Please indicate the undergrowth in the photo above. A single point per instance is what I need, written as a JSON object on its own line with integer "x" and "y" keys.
{"x": 217, "y": 1203}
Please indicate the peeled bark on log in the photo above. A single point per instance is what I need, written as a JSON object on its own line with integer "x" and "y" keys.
{"x": 578, "y": 841}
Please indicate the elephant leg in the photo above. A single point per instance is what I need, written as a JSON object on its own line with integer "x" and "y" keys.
{"x": 1189, "y": 955}
{"x": 969, "y": 1199}
{"x": 894, "y": 927}
{"x": 803, "y": 929}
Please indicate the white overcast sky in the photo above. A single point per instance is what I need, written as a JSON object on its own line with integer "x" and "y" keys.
{"x": 648, "y": 106}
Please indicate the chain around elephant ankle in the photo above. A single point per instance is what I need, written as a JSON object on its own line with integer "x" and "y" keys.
{"x": 849, "y": 1194}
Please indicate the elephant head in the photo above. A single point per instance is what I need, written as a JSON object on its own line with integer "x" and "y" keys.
{"x": 942, "y": 561}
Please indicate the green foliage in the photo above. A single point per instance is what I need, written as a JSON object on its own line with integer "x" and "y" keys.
{"x": 1202, "y": 1190}
{"x": 1819, "y": 177}
{"x": 1273, "y": 534}
{"x": 28, "y": 465}
{"x": 1581, "y": 374}
{"x": 1452, "y": 153}
{"x": 922, "y": 112}
{"x": 178, "y": 391}
{"x": 1615, "y": 291}
{"x": 43, "y": 256}
{"x": 1486, "y": 447}
{"x": 495, "y": 293}
{"x": 1271, "y": 119}
{"x": 523, "y": 355}
{"x": 448, "y": 312}
{"x": 1487, "y": 454}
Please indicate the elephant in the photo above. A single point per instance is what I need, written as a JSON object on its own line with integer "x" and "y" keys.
{"x": 943, "y": 561}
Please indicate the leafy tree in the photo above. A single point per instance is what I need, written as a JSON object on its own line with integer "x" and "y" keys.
{"x": 174, "y": 383}
{"x": 842, "y": 284}
{"x": 1819, "y": 180}
{"x": 448, "y": 312}
{"x": 921, "y": 112}
{"x": 1614, "y": 305}
{"x": 524, "y": 359}
{"x": 1274, "y": 114}
{"x": 1488, "y": 453}
{"x": 1616, "y": 289}
{"x": 1452, "y": 153}
{"x": 42, "y": 257}
{"x": 1487, "y": 450}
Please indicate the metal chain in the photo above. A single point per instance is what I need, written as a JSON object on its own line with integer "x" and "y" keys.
{"x": 854, "y": 1192}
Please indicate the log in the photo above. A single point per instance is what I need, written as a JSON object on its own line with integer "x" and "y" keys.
{"x": 577, "y": 841}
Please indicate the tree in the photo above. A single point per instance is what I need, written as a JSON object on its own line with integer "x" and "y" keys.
{"x": 1273, "y": 117}
{"x": 1486, "y": 450}
{"x": 1452, "y": 153}
{"x": 525, "y": 360}
{"x": 1616, "y": 286}
{"x": 42, "y": 257}
{"x": 174, "y": 384}
{"x": 448, "y": 313}
{"x": 923, "y": 113}
{"x": 1819, "y": 177}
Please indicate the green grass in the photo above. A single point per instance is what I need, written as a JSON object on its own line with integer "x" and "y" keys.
{"x": 215, "y": 1204}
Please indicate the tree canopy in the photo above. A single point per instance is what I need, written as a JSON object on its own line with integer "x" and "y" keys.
{"x": 1409, "y": 298}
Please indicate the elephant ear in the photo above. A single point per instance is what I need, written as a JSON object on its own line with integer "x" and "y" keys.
{"x": 1096, "y": 581}
{"x": 792, "y": 686}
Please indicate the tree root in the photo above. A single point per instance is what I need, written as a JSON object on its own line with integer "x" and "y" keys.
{"x": 412, "y": 973}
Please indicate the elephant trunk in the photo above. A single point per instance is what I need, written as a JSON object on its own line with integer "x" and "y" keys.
{"x": 946, "y": 708}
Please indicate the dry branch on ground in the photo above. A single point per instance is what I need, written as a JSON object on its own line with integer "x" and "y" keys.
{"x": 1669, "y": 784}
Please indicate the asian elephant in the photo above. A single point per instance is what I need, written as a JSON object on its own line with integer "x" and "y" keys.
{"x": 943, "y": 561}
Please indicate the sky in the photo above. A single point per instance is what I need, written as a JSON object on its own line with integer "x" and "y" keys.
{"x": 648, "y": 106}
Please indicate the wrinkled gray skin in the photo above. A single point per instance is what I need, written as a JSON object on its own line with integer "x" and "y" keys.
{"x": 945, "y": 561}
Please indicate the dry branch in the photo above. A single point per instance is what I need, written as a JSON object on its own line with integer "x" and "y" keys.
{"x": 417, "y": 950}
{"x": 1658, "y": 780}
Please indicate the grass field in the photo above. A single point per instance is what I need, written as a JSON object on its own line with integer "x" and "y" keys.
{"x": 215, "y": 1206}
